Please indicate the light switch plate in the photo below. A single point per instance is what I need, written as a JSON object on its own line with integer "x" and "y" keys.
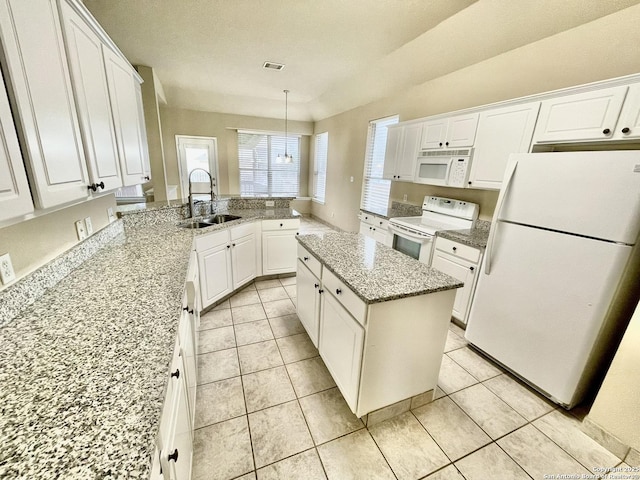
{"x": 88, "y": 225}
{"x": 82, "y": 233}
{"x": 269, "y": 203}
{"x": 6, "y": 269}
{"x": 111, "y": 215}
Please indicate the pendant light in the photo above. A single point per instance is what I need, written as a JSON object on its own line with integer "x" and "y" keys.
{"x": 286, "y": 158}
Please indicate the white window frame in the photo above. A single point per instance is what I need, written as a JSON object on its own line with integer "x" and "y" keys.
{"x": 369, "y": 158}
{"x": 270, "y": 134}
{"x": 320, "y": 162}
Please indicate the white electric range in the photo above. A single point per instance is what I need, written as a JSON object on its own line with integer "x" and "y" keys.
{"x": 414, "y": 236}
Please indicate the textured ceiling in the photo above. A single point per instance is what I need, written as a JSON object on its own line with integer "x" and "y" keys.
{"x": 339, "y": 54}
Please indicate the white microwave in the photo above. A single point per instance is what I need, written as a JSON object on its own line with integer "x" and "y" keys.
{"x": 449, "y": 168}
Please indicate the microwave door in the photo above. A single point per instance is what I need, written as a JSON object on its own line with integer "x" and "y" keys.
{"x": 434, "y": 171}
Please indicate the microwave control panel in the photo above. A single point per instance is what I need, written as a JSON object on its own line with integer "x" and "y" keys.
{"x": 459, "y": 172}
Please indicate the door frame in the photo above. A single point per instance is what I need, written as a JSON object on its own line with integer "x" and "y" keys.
{"x": 213, "y": 161}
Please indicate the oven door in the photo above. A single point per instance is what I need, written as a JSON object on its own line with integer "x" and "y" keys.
{"x": 414, "y": 244}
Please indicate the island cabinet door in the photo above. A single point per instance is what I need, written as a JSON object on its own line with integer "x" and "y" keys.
{"x": 308, "y": 301}
{"x": 216, "y": 277}
{"x": 341, "y": 344}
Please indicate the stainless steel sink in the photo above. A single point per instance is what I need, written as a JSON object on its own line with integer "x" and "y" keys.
{"x": 222, "y": 218}
{"x": 209, "y": 221}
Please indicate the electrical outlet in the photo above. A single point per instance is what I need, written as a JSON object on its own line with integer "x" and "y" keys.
{"x": 404, "y": 197}
{"x": 6, "y": 269}
{"x": 110, "y": 214}
{"x": 269, "y": 203}
{"x": 333, "y": 214}
{"x": 82, "y": 233}
{"x": 88, "y": 226}
{"x": 351, "y": 179}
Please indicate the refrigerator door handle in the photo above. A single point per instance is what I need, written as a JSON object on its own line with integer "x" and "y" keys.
{"x": 511, "y": 169}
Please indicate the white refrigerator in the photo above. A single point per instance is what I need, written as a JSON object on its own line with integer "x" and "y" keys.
{"x": 560, "y": 277}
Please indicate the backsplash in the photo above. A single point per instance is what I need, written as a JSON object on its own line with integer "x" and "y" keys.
{"x": 406, "y": 209}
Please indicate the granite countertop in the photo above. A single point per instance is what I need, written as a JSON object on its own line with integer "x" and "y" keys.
{"x": 246, "y": 215}
{"x": 476, "y": 237}
{"x": 85, "y": 368}
{"x": 375, "y": 272}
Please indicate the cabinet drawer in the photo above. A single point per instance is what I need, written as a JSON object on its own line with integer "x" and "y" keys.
{"x": 458, "y": 249}
{"x": 284, "y": 224}
{"x": 211, "y": 240}
{"x": 310, "y": 261}
{"x": 332, "y": 284}
{"x": 367, "y": 218}
{"x": 243, "y": 230}
{"x": 381, "y": 223}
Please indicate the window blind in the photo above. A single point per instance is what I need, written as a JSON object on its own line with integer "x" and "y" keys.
{"x": 320, "y": 166}
{"x": 262, "y": 173}
{"x": 375, "y": 189}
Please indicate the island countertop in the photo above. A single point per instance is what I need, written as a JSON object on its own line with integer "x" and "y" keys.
{"x": 375, "y": 272}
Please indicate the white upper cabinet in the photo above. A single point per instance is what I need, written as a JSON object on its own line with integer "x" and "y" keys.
{"x": 579, "y": 117}
{"x": 45, "y": 111}
{"x": 144, "y": 144}
{"x": 450, "y": 133}
{"x": 403, "y": 144}
{"x": 501, "y": 132}
{"x": 629, "y": 123}
{"x": 84, "y": 50}
{"x": 124, "y": 92}
{"x": 15, "y": 197}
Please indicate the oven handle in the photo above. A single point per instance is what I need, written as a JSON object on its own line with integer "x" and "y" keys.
{"x": 406, "y": 233}
{"x": 511, "y": 169}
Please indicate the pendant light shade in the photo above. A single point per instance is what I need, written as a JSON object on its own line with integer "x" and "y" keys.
{"x": 287, "y": 157}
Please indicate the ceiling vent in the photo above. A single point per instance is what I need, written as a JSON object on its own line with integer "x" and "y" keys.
{"x": 273, "y": 66}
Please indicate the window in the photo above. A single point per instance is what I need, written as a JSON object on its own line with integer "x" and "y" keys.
{"x": 262, "y": 173}
{"x": 375, "y": 189}
{"x": 320, "y": 166}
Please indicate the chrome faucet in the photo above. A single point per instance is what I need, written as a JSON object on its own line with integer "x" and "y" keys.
{"x": 191, "y": 201}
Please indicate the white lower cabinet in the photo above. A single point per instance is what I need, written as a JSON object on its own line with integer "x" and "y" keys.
{"x": 243, "y": 254}
{"x": 279, "y": 246}
{"x": 341, "y": 342}
{"x": 461, "y": 262}
{"x": 308, "y": 298}
{"x": 373, "y": 226}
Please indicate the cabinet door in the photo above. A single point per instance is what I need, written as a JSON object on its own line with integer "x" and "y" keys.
{"x": 629, "y": 123}
{"x": 144, "y": 143}
{"x": 124, "y": 103}
{"x": 308, "y": 305}
{"x": 215, "y": 274}
{"x": 279, "y": 252}
{"x": 394, "y": 139}
{"x": 462, "y": 131}
{"x": 15, "y": 198}
{"x": 341, "y": 343}
{"x": 583, "y": 116}
{"x": 434, "y": 134}
{"x": 243, "y": 259}
{"x": 188, "y": 354}
{"x": 501, "y": 132}
{"x": 380, "y": 235}
{"x": 463, "y": 271}
{"x": 37, "y": 71}
{"x": 92, "y": 98}
{"x": 408, "y": 154}
{"x": 365, "y": 229}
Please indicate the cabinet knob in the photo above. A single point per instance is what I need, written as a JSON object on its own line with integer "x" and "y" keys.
{"x": 380, "y": 223}
{"x": 440, "y": 144}
{"x": 186, "y": 309}
{"x": 606, "y": 131}
{"x": 146, "y": 177}
{"x": 228, "y": 246}
{"x": 93, "y": 187}
{"x": 320, "y": 291}
{"x": 447, "y": 144}
{"x": 176, "y": 373}
{"x": 315, "y": 285}
{"x": 173, "y": 456}
{"x": 281, "y": 224}
{"x": 297, "y": 233}
{"x": 626, "y": 130}
{"x": 233, "y": 244}
{"x": 454, "y": 248}
{"x": 469, "y": 182}
{"x": 101, "y": 185}
{"x": 472, "y": 268}
{"x": 338, "y": 291}
{"x": 306, "y": 259}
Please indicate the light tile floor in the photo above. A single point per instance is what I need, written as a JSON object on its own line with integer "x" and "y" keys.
{"x": 267, "y": 408}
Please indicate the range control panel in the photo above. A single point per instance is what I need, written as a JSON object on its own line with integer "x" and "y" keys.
{"x": 451, "y": 207}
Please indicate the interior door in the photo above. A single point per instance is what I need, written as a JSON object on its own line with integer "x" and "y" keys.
{"x": 541, "y": 308}
{"x": 197, "y": 152}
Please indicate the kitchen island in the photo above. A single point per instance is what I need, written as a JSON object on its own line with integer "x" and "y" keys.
{"x": 378, "y": 317}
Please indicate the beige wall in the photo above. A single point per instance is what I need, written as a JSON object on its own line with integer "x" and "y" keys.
{"x": 618, "y": 402}
{"x": 33, "y": 243}
{"x": 223, "y": 127}
{"x": 596, "y": 51}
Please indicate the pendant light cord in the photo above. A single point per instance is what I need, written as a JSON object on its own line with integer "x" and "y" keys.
{"x": 286, "y": 120}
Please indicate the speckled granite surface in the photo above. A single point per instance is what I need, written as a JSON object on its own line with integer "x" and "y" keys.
{"x": 398, "y": 209}
{"x": 85, "y": 368}
{"x": 476, "y": 237}
{"x": 246, "y": 215}
{"x": 375, "y": 272}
